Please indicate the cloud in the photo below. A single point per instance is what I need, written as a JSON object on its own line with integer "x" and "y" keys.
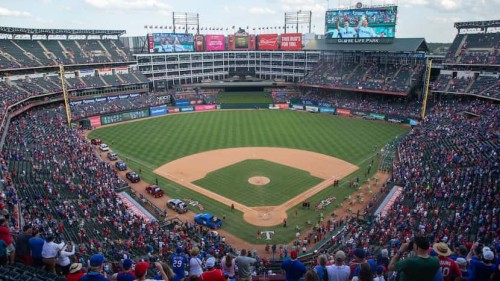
{"x": 129, "y": 4}
{"x": 261, "y": 11}
{"x": 4, "y": 12}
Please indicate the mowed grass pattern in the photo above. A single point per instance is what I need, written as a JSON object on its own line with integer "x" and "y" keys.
{"x": 244, "y": 97}
{"x": 148, "y": 144}
{"x": 232, "y": 182}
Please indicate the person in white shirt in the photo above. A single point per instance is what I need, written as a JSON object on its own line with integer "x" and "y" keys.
{"x": 195, "y": 268}
{"x": 63, "y": 260}
{"x": 338, "y": 271}
{"x": 50, "y": 251}
{"x": 380, "y": 274}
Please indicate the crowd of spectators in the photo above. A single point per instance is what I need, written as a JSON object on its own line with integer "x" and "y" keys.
{"x": 475, "y": 49}
{"x": 390, "y": 105}
{"x": 367, "y": 76}
{"x": 488, "y": 86}
{"x": 34, "y": 53}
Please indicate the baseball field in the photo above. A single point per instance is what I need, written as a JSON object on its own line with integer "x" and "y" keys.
{"x": 264, "y": 162}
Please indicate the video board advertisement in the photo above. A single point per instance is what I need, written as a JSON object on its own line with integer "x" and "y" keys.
{"x": 215, "y": 42}
{"x": 268, "y": 42}
{"x": 291, "y": 41}
{"x": 241, "y": 42}
{"x": 170, "y": 43}
{"x": 367, "y": 25}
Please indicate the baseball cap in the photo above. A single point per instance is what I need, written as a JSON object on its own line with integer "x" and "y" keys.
{"x": 127, "y": 264}
{"x": 380, "y": 269}
{"x": 294, "y": 254}
{"x": 360, "y": 253}
{"x": 141, "y": 268}
{"x": 97, "y": 260}
{"x": 340, "y": 255}
{"x": 384, "y": 253}
{"x": 179, "y": 250}
{"x": 461, "y": 261}
{"x": 210, "y": 262}
{"x": 488, "y": 254}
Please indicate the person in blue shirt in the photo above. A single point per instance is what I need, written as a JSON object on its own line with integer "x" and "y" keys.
{"x": 178, "y": 262}
{"x": 294, "y": 269}
{"x": 36, "y": 246}
{"x": 481, "y": 263}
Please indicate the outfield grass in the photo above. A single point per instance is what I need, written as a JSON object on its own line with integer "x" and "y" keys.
{"x": 148, "y": 144}
{"x": 244, "y": 97}
{"x": 232, "y": 182}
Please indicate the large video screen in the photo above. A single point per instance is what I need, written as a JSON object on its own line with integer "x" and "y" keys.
{"x": 170, "y": 42}
{"x": 367, "y": 25}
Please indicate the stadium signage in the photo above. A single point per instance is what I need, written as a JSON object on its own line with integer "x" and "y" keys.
{"x": 95, "y": 121}
{"x": 204, "y": 107}
{"x": 343, "y": 111}
{"x": 291, "y": 41}
{"x": 377, "y": 116}
{"x": 160, "y": 110}
{"x": 359, "y": 113}
{"x": 186, "y": 109}
{"x": 312, "y": 108}
{"x": 298, "y": 107}
{"x": 182, "y": 102}
{"x": 268, "y": 42}
{"x": 361, "y": 40}
{"x": 327, "y": 110}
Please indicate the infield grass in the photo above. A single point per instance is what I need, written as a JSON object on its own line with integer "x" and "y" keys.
{"x": 232, "y": 182}
{"x": 244, "y": 97}
{"x": 150, "y": 143}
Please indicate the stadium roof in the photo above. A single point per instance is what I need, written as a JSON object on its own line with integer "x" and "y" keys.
{"x": 397, "y": 46}
{"x": 50, "y": 31}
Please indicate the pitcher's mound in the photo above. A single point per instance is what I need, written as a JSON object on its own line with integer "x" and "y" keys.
{"x": 259, "y": 180}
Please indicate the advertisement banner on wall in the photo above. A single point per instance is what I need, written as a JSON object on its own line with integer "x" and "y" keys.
{"x": 377, "y": 116}
{"x": 173, "y": 110}
{"x": 282, "y": 105}
{"x": 341, "y": 111}
{"x": 215, "y": 43}
{"x": 268, "y": 42}
{"x": 186, "y": 109}
{"x": 204, "y": 107}
{"x": 291, "y": 41}
{"x": 182, "y": 102}
{"x": 105, "y": 70}
{"x": 298, "y": 107}
{"x": 158, "y": 110}
{"x": 95, "y": 121}
{"x": 359, "y": 113}
{"x": 312, "y": 108}
{"x": 329, "y": 110}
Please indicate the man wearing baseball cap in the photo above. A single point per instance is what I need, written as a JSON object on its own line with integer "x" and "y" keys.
{"x": 294, "y": 269}
{"x": 127, "y": 274}
{"x": 141, "y": 271}
{"x": 338, "y": 271}
{"x": 178, "y": 262}
{"x": 96, "y": 272}
{"x": 212, "y": 274}
{"x": 481, "y": 263}
{"x": 449, "y": 268}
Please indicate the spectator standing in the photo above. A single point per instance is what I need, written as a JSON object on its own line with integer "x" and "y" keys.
{"x": 63, "y": 261}
{"x": 360, "y": 259}
{"x": 75, "y": 272}
{"x": 50, "y": 252}
{"x": 5, "y": 236}
{"x": 321, "y": 268}
{"x": 481, "y": 264}
{"x": 421, "y": 267}
{"x": 141, "y": 271}
{"x": 294, "y": 269}
{"x": 380, "y": 274}
{"x": 195, "y": 268}
{"x": 96, "y": 271}
{"x": 244, "y": 264}
{"x": 462, "y": 264}
{"x": 338, "y": 271}
{"x": 228, "y": 265}
{"x": 449, "y": 268}
{"x": 365, "y": 273}
{"x": 36, "y": 246}
{"x": 126, "y": 274}
{"x": 23, "y": 251}
{"x": 311, "y": 275}
{"x": 3, "y": 252}
{"x": 212, "y": 274}
{"x": 178, "y": 262}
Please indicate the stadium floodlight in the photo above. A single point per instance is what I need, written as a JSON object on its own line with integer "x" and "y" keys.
{"x": 184, "y": 21}
{"x": 298, "y": 18}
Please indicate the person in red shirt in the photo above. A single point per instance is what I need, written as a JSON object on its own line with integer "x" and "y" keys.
{"x": 5, "y": 236}
{"x": 75, "y": 272}
{"x": 212, "y": 274}
{"x": 449, "y": 268}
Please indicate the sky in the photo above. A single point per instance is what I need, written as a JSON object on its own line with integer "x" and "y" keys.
{"x": 430, "y": 19}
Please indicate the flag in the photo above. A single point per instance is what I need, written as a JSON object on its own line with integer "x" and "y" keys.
{"x": 145, "y": 26}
